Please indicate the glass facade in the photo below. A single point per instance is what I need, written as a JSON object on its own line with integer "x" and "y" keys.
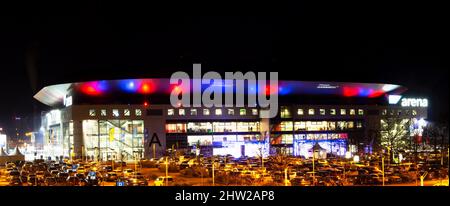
{"x": 113, "y": 139}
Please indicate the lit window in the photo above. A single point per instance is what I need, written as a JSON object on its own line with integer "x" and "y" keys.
{"x": 126, "y": 112}
{"x": 384, "y": 112}
{"x": 103, "y": 112}
{"x": 360, "y": 112}
{"x": 218, "y": 111}
{"x": 181, "y": 112}
{"x": 206, "y": 112}
{"x": 115, "y": 112}
{"x": 285, "y": 113}
{"x": 414, "y": 112}
{"x": 170, "y": 112}
{"x": 230, "y": 111}
{"x": 138, "y": 112}
{"x": 350, "y": 125}
{"x": 254, "y": 111}
{"x": 343, "y": 112}
{"x": 242, "y": 112}
{"x": 322, "y": 111}
{"x": 352, "y": 112}
{"x": 92, "y": 112}
{"x": 194, "y": 112}
{"x": 333, "y": 111}
{"x": 299, "y": 111}
{"x": 359, "y": 125}
{"x": 311, "y": 111}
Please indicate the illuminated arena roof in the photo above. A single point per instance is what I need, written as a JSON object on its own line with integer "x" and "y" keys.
{"x": 115, "y": 89}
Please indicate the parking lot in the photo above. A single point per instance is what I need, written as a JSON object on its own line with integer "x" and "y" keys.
{"x": 228, "y": 171}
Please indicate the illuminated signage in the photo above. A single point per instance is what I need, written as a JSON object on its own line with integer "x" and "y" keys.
{"x": 394, "y": 99}
{"x": 67, "y": 101}
{"x": 412, "y": 102}
{"x": 407, "y": 102}
{"x": 326, "y": 86}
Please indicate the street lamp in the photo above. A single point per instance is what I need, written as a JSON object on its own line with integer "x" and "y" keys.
{"x": 285, "y": 177}
{"x": 422, "y": 177}
{"x": 382, "y": 165}
{"x": 167, "y": 171}
{"x": 213, "y": 172}
{"x": 314, "y": 172}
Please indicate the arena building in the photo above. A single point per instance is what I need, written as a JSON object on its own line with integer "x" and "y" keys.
{"x": 133, "y": 118}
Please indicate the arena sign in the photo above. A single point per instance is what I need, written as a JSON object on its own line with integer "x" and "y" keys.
{"x": 260, "y": 93}
{"x": 408, "y": 102}
{"x": 413, "y": 102}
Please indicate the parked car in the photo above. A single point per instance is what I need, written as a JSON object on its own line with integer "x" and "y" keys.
{"x": 33, "y": 181}
{"x": 10, "y": 165}
{"x": 82, "y": 178}
{"x": 40, "y": 174}
{"x": 62, "y": 177}
{"x": 93, "y": 179}
{"x": 50, "y": 181}
{"x": 81, "y": 170}
{"x": 54, "y": 173}
{"x": 15, "y": 181}
{"x": 394, "y": 179}
{"x": 300, "y": 181}
{"x": 73, "y": 181}
{"x": 107, "y": 168}
{"x": 13, "y": 174}
{"x": 161, "y": 181}
{"x": 127, "y": 172}
{"x": 111, "y": 177}
{"x": 136, "y": 180}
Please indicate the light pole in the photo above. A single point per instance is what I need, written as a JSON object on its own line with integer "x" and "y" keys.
{"x": 382, "y": 165}
{"x": 285, "y": 177}
{"x": 135, "y": 162}
{"x": 167, "y": 171}
{"x": 344, "y": 170}
{"x": 213, "y": 183}
{"x": 389, "y": 155}
{"x": 314, "y": 172}
{"x": 422, "y": 177}
{"x": 262, "y": 157}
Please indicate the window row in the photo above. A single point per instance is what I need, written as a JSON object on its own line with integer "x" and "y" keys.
{"x": 317, "y": 125}
{"x": 399, "y": 112}
{"x": 220, "y": 140}
{"x": 207, "y": 112}
{"x": 289, "y": 138}
{"x": 286, "y": 113}
{"x": 208, "y": 127}
{"x": 115, "y": 112}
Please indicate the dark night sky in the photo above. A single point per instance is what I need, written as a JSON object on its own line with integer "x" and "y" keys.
{"x": 402, "y": 44}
